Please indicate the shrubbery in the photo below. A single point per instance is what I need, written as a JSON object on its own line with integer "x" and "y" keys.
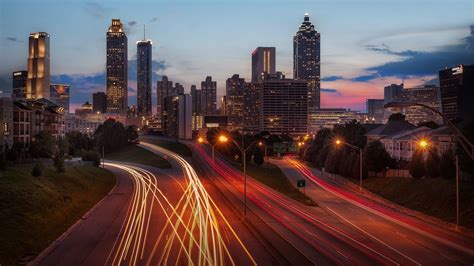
{"x": 91, "y": 156}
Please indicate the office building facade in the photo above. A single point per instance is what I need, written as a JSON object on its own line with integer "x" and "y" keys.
{"x": 375, "y": 110}
{"x": 164, "y": 87}
{"x": 235, "y": 87}
{"x": 208, "y": 96}
{"x": 252, "y": 99}
{"x": 457, "y": 92}
{"x": 19, "y": 81}
{"x": 263, "y": 63}
{"x": 307, "y": 62}
{"x": 116, "y": 67}
{"x": 144, "y": 74}
{"x": 284, "y": 106}
{"x": 99, "y": 102}
{"x": 38, "y": 81}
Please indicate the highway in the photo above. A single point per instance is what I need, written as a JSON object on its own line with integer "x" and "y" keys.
{"x": 418, "y": 241}
{"x": 152, "y": 217}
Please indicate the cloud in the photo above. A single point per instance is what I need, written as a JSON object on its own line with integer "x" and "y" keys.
{"x": 13, "y": 39}
{"x": 425, "y": 63}
{"x": 332, "y": 78}
{"x": 152, "y": 20}
{"x": 132, "y": 23}
{"x": 326, "y": 90}
{"x": 95, "y": 9}
{"x": 131, "y": 27}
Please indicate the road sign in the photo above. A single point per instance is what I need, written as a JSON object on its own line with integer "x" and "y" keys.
{"x": 301, "y": 183}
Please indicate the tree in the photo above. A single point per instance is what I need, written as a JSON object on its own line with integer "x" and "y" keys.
{"x": 77, "y": 142}
{"x": 3, "y": 163}
{"x": 131, "y": 133}
{"x": 416, "y": 166}
{"x": 91, "y": 156}
{"x": 375, "y": 157}
{"x": 258, "y": 156}
{"x": 58, "y": 161}
{"x": 432, "y": 163}
{"x": 43, "y": 145}
{"x": 37, "y": 170}
{"x": 396, "y": 117}
{"x": 111, "y": 136}
{"x": 447, "y": 166}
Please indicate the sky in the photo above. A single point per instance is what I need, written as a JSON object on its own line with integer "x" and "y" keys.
{"x": 365, "y": 44}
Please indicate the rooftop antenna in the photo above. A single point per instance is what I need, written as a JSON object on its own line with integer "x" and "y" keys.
{"x": 144, "y": 38}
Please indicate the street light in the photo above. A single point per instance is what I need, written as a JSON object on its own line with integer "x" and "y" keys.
{"x": 423, "y": 143}
{"x": 465, "y": 143}
{"x": 339, "y": 142}
{"x": 221, "y": 139}
{"x": 244, "y": 152}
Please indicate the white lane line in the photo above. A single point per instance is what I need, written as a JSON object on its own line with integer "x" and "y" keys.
{"x": 375, "y": 238}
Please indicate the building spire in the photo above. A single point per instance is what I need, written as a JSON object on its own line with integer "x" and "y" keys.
{"x": 144, "y": 31}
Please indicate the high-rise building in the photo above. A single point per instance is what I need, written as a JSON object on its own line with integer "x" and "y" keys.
{"x": 59, "y": 94}
{"x": 392, "y": 93}
{"x": 19, "y": 79}
{"x": 99, "y": 102}
{"x": 208, "y": 96}
{"x": 117, "y": 73}
{"x": 6, "y": 122}
{"x": 177, "y": 116}
{"x": 307, "y": 64}
{"x": 263, "y": 62}
{"x": 252, "y": 98}
{"x": 37, "y": 85}
{"x": 457, "y": 92}
{"x": 284, "y": 106}
{"x": 375, "y": 110}
{"x": 178, "y": 88}
{"x": 235, "y": 87}
{"x": 196, "y": 107}
{"x": 163, "y": 89}
{"x": 144, "y": 72}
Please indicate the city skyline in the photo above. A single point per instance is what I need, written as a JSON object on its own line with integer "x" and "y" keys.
{"x": 355, "y": 65}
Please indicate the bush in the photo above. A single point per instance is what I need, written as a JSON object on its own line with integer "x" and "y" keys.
{"x": 416, "y": 166}
{"x": 375, "y": 157}
{"x": 258, "y": 156}
{"x": 3, "y": 163}
{"x": 432, "y": 164}
{"x": 59, "y": 163}
{"x": 91, "y": 156}
{"x": 37, "y": 170}
{"x": 447, "y": 166}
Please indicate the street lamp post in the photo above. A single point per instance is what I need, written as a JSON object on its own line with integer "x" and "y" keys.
{"x": 339, "y": 142}
{"x": 265, "y": 147}
{"x": 463, "y": 141}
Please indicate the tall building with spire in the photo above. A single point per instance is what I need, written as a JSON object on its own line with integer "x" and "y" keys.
{"x": 307, "y": 63}
{"x": 144, "y": 68}
{"x": 263, "y": 62}
{"x": 117, "y": 74}
{"x": 37, "y": 85}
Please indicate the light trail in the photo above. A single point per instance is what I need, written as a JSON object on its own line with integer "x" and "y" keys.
{"x": 277, "y": 206}
{"x": 389, "y": 214}
{"x": 193, "y": 226}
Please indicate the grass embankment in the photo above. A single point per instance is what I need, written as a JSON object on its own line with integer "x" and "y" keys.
{"x": 432, "y": 196}
{"x": 174, "y": 146}
{"x": 36, "y": 211}
{"x": 272, "y": 176}
{"x": 135, "y": 154}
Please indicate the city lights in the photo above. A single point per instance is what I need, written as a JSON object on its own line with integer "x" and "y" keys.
{"x": 423, "y": 143}
{"x": 222, "y": 139}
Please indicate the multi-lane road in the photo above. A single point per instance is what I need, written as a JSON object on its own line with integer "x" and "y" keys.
{"x": 193, "y": 214}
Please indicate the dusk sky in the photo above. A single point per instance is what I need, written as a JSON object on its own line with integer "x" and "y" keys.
{"x": 365, "y": 45}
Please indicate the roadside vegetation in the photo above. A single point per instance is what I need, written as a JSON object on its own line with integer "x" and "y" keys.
{"x": 266, "y": 173}
{"x": 135, "y": 154}
{"x": 173, "y": 146}
{"x": 34, "y": 211}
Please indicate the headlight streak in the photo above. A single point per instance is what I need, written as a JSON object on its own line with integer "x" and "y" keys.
{"x": 193, "y": 226}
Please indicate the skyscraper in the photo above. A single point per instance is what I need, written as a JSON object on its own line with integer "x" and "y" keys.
{"x": 59, "y": 94}
{"x": 392, "y": 93}
{"x": 144, "y": 71}
{"x": 457, "y": 92}
{"x": 19, "y": 79}
{"x": 99, "y": 102}
{"x": 117, "y": 74}
{"x": 163, "y": 89}
{"x": 307, "y": 63}
{"x": 263, "y": 62}
{"x": 235, "y": 87}
{"x": 208, "y": 96}
{"x": 37, "y": 85}
{"x": 196, "y": 107}
{"x": 284, "y": 105}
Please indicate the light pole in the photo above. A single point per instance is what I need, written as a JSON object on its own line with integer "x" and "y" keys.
{"x": 463, "y": 141}
{"x": 339, "y": 142}
{"x": 222, "y": 139}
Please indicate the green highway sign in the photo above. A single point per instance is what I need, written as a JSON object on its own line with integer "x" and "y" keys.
{"x": 301, "y": 183}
